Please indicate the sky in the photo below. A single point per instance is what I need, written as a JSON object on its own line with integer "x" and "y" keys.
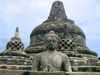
{"x": 28, "y": 14}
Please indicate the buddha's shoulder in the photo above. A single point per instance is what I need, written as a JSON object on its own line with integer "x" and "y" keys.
{"x": 40, "y": 54}
{"x": 62, "y": 54}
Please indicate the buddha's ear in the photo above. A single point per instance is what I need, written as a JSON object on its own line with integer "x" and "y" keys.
{"x": 58, "y": 40}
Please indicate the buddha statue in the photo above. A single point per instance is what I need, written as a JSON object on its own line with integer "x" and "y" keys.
{"x": 51, "y": 60}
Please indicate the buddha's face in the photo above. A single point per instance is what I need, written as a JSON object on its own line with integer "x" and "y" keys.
{"x": 51, "y": 43}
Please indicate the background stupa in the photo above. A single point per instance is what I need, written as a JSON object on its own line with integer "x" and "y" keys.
{"x": 72, "y": 38}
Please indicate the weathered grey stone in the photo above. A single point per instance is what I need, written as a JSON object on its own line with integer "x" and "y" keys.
{"x": 15, "y": 47}
{"x": 25, "y": 72}
{"x": 14, "y": 57}
{"x": 72, "y": 38}
{"x": 72, "y": 42}
{"x": 57, "y": 12}
{"x": 51, "y": 60}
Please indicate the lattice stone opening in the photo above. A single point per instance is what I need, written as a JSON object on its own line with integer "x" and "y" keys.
{"x": 15, "y": 45}
{"x": 66, "y": 44}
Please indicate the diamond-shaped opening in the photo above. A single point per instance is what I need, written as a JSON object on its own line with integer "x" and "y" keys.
{"x": 62, "y": 44}
{"x": 65, "y": 47}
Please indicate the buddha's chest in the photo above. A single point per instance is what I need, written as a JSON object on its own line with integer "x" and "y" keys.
{"x": 52, "y": 60}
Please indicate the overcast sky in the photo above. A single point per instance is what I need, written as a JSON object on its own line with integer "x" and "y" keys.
{"x": 27, "y": 14}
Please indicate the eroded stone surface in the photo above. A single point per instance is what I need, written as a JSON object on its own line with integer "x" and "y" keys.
{"x": 72, "y": 38}
{"x": 72, "y": 42}
{"x": 51, "y": 60}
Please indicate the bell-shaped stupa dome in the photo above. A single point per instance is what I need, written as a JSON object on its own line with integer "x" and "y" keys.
{"x": 63, "y": 27}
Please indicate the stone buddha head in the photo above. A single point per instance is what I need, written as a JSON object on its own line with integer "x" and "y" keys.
{"x": 51, "y": 40}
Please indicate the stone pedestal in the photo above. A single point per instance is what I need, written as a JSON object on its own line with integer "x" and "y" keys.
{"x": 45, "y": 73}
{"x": 16, "y": 72}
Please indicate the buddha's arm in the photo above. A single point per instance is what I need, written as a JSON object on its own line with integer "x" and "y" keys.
{"x": 35, "y": 63}
{"x": 66, "y": 64}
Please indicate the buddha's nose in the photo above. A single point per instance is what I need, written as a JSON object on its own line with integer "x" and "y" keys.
{"x": 51, "y": 43}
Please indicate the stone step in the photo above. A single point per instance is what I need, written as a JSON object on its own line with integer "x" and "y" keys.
{"x": 15, "y": 61}
{"x": 86, "y": 68}
{"x": 16, "y": 67}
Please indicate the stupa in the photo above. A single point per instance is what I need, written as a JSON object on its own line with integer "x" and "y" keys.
{"x": 14, "y": 56}
{"x": 72, "y": 38}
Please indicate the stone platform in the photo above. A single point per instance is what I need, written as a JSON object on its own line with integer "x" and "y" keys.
{"x": 15, "y": 63}
{"x": 24, "y": 72}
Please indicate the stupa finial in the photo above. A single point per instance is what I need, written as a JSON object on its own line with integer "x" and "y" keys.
{"x": 17, "y": 32}
{"x": 57, "y": 11}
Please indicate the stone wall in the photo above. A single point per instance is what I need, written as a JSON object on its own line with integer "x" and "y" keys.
{"x": 16, "y": 72}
